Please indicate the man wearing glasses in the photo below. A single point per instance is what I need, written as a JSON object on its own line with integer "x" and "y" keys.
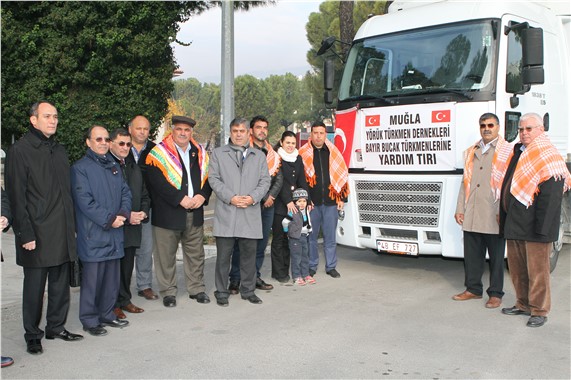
{"x": 530, "y": 209}
{"x": 102, "y": 207}
{"x": 477, "y": 211}
{"x": 38, "y": 187}
{"x": 140, "y": 204}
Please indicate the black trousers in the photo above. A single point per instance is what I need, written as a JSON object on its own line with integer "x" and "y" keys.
{"x": 224, "y": 249}
{"x": 280, "y": 250}
{"x": 126, "y": 272}
{"x": 475, "y": 246}
{"x": 35, "y": 279}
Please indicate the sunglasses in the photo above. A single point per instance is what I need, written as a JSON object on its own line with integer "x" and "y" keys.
{"x": 527, "y": 129}
{"x": 102, "y": 139}
{"x": 489, "y": 125}
{"x": 123, "y": 143}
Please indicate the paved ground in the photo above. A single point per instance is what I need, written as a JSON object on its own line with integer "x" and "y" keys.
{"x": 387, "y": 317}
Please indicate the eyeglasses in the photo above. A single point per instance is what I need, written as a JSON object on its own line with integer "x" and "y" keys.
{"x": 489, "y": 125}
{"x": 102, "y": 139}
{"x": 527, "y": 129}
{"x": 123, "y": 143}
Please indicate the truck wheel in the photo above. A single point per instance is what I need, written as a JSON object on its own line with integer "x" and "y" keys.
{"x": 557, "y": 245}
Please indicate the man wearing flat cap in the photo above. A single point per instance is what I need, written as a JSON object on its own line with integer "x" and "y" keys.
{"x": 177, "y": 173}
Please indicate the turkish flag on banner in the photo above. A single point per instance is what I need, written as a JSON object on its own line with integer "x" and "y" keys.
{"x": 442, "y": 116}
{"x": 345, "y": 131}
{"x": 372, "y": 120}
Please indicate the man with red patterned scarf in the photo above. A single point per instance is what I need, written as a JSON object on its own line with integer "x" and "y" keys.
{"x": 326, "y": 174}
{"x": 258, "y": 140}
{"x": 177, "y": 173}
{"x": 530, "y": 208}
{"x": 477, "y": 212}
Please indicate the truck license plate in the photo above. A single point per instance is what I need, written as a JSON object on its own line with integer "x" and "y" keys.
{"x": 398, "y": 247}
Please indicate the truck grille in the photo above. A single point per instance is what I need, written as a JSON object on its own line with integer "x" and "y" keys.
{"x": 399, "y": 203}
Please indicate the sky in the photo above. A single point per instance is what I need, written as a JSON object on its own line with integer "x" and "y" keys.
{"x": 268, "y": 40}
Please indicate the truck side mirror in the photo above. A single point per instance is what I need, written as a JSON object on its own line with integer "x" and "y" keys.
{"x": 532, "y": 56}
{"x": 328, "y": 80}
{"x": 328, "y": 97}
{"x": 328, "y": 74}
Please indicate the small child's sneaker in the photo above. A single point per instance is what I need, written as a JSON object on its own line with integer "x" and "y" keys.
{"x": 299, "y": 281}
{"x": 309, "y": 280}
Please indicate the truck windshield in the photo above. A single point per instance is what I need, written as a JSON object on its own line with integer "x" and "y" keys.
{"x": 455, "y": 57}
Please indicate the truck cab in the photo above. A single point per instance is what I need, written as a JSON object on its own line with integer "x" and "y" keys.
{"x": 415, "y": 82}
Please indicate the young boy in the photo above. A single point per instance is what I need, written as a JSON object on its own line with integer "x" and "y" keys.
{"x": 298, "y": 227}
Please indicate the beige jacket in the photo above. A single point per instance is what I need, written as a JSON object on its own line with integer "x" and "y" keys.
{"x": 481, "y": 210}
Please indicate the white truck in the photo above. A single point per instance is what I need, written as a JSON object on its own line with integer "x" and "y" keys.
{"x": 415, "y": 82}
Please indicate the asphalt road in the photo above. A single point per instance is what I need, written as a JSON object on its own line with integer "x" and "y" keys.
{"x": 387, "y": 317}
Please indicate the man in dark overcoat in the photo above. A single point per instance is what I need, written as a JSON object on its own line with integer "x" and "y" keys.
{"x": 38, "y": 186}
{"x": 102, "y": 202}
{"x": 140, "y": 205}
{"x": 530, "y": 210}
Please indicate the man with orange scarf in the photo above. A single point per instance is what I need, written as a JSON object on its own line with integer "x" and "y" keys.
{"x": 326, "y": 174}
{"x": 530, "y": 211}
{"x": 477, "y": 211}
{"x": 177, "y": 173}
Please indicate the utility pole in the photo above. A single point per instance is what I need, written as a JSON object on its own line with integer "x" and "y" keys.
{"x": 227, "y": 77}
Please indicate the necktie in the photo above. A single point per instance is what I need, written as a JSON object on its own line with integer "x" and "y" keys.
{"x": 123, "y": 171}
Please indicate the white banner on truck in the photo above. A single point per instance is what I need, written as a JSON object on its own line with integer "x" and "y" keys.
{"x": 418, "y": 139}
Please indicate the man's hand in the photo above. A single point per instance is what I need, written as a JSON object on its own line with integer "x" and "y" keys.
{"x": 29, "y": 246}
{"x": 459, "y": 218}
{"x": 3, "y": 222}
{"x": 197, "y": 201}
{"x": 269, "y": 202}
{"x": 242, "y": 201}
{"x": 137, "y": 217}
{"x": 119, "y": 221}
{"x": 186, "y": 202}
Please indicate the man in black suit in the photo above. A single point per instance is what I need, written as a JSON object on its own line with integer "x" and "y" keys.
{"x": 139, "y": 129}
{"x": 177, "y": 179}
{"x": 39, "y": 189}
{"x": 141, "y": 202}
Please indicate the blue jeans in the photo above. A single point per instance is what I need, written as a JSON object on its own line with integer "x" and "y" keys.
{"x": 323, "y": 218}
{"x": 267, "y": 220}
{"x": 299, "y": 252}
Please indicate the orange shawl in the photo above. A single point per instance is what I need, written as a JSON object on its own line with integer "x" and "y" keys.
{"x": 272, "y": 158}
{"x": 539, "y": 162}
{"x": 500, "y": 162}
{"x": 338, "y": 173}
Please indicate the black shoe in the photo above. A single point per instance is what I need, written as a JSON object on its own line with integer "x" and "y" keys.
{"x": 119, "y": 323}
{"x": 253, "y": 299}
{"x": 222, "y": 302}
{"x": 262, "y": 285}
{"x": 536, "y": 321}
{"x": 514, "y": 311}
{"x": 333, "y": 273}
{"x": 312, "y": 272}
{"x": 200, "y": 297}
{"x": 65, "y": 335}
{"x": 34, "y": 346}
{"x": 234, "y": 287}
{"x": 284, "y": 280}
{"x": 169, "y": 301}
{"x": 96, "y": 331}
